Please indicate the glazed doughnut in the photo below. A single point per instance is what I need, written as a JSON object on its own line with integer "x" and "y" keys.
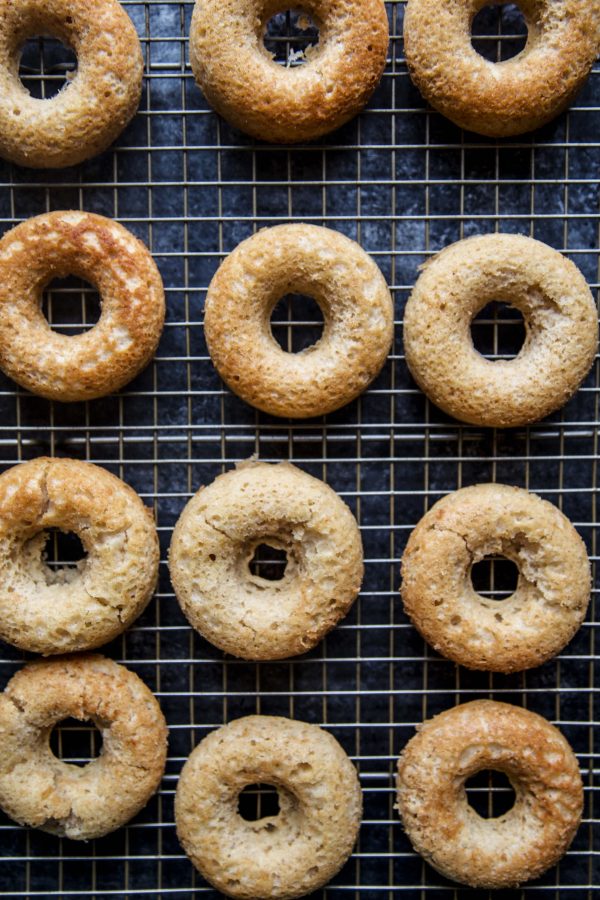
{"x": 277, "y": 103}
{"x": 552, "y": 593}
{"x": 123, "y": 341}
{"x": 215, "y": 540}
{"x": 86, "y": 116}
{"x": 37, "y": 788}
{"x": 68, "y": 609}
{"x": 506, "y": 850}
{"x": 358, "y": 320}
{"x": 561, "y": 326}
{"x": 510, "y": 97}
{"x": 284, "y": 856}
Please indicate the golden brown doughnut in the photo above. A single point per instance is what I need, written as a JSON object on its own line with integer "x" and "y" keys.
{"x": 40, "y": 790}
{"x": 551, "y": 597}
{"x": 561, "y": 325}
{"x": 283, "y": 856}
{"x": 274, "y": 103}
{"x": 215, "y": 540}
{"x": 509, "y": 849}
{"x": 123, "y": 341}
{"x": 357, "y": 309}
{"x": 94, "y": 107}
{"x": 510, "y": 97}
{"x": 69, "y": 609}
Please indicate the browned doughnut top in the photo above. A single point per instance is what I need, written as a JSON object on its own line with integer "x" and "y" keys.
{"x": 509, "y": 849}
{"x": 94, "y": 107}
{"x": 275, "y": 103}
{"x": 121, "y": 344}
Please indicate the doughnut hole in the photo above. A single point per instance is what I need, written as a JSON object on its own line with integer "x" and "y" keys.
{"x": 495, "y": 577}
{"x": 75, "y": 742}
{"x": 268, "y": 562}
{"x": 490, "y": 793}
{"x": 258, "y": 801}
{"x": 288, "y": 35}
{"x": 297, "y": 322}
{"x": 71, "y": 305}
{"x": 498, "y": 331}
{"x": 46, "y": 67}
{"x": 55, "y": 556}
{"x": 499, "y": 32}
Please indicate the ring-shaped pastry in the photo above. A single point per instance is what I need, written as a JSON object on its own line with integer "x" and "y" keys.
{"x": 357, "y": 309}
{"x": 94, "y": 107}
{"x": 215, "y": 540}
{"x": 39, "y": 789}
{"x": 561, "y": 330}
{"x": 286, "y": 104}
{"x": 283, "y": 856}
{"x": 509, "y": 849}
{"x": 53, "y": 611}
{"x": 122, "y": 342}
{"x": 510, "y": 97}
{"x": 552, "y": 593}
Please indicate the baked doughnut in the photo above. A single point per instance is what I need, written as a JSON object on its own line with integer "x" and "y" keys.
{"x": 285, "y": 105}
{"x": 506, "y": 850}
{"x": 287, "y": 855}
{"x": 68, "y": 609}
{"x": 123, "y": 341}
{"x": 86, "y": 116}
{"x": 215, "y": 540}
{"x": 37, "y": 788}
{"x": 552, "y": 593}
{"x": 510, "y": 97}
{"x": 358, "y": 320}
{"x": 561, "y": 326}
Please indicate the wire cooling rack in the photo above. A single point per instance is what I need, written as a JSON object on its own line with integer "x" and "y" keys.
{"x": 403, "y": 182}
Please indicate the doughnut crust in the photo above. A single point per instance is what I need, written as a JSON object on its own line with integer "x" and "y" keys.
{"x": 215, "y": 540}
{"x": 498, "y": 852}
{"x": 68, "y": 609}
{"x": 561, "y": 325}
{"x": 40, "y": 790}
{"x": 280, "y": 104}
{"x": 121, "y": 344}
{"x": 86, "y": 116}
{"x": 552, "y": 593}
{"x": 510, "y": 97}
{"x": 283, "y": 856}
{"x": 358, "y": 315}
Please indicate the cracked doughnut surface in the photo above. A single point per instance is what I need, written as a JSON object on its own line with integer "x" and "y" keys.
{"x": 354, "y": 298}
{"x": 215, "y": 540}
{"x": 497, "y": 852}
{"x": 561, "y": 325}
{"x": 103, "y": 359}
{"x": 40, "y": 790}
{"x": 284, "y": 856}
{"x": 95, "y": 105}
{"x": 69, "y": 609}
{"x": 552, "y": 593}
{"x": 509, "y": 97}
{"x": 283, "y": 104}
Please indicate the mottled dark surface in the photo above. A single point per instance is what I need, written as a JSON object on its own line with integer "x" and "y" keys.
{"x": 404, "y": 182}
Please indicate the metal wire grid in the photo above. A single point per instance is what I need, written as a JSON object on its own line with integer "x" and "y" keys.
{"x": 404, "y": 182}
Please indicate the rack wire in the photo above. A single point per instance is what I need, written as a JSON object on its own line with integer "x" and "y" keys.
{"x": 404, "y": 182}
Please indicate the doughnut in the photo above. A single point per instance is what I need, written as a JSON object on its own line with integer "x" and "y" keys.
{"x": 88, "y": 114}
{"x": 509, "y": 849}
{"x": 40, "y": 790}
{"x": 552, "y": 593}
{"x": 241, "y": 80}
{"x": 357, "y": 309}
{"x": 287, "y": 855}
{"x": 510, "y": 97}
{"x": 215, "y": 539}
{"x": 561, "y": 325}
{"x": 49, "y": 612}
{"x": 103, "y": 359}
